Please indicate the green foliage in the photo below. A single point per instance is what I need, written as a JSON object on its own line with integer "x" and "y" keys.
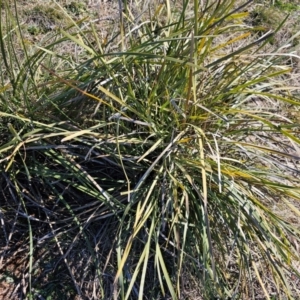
{"x": 34, "y": 30}
{"x": 152, "y": 157}
{"x": 76, "y": 7}
{"x": 287, "y": 6}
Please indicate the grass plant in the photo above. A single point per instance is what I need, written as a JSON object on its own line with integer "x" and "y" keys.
{"x": 146, "y": 164}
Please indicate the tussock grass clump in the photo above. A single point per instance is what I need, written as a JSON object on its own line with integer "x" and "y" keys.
{"x": 146, "y": 166}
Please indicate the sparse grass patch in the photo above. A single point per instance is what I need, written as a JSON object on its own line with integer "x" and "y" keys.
{"x": 289, "y": 6}
{"x": 147, "y": 165}
{"x": 46, "y": 18}
{"x": 76, "y": 7}
{"x": 265, "y": 16}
